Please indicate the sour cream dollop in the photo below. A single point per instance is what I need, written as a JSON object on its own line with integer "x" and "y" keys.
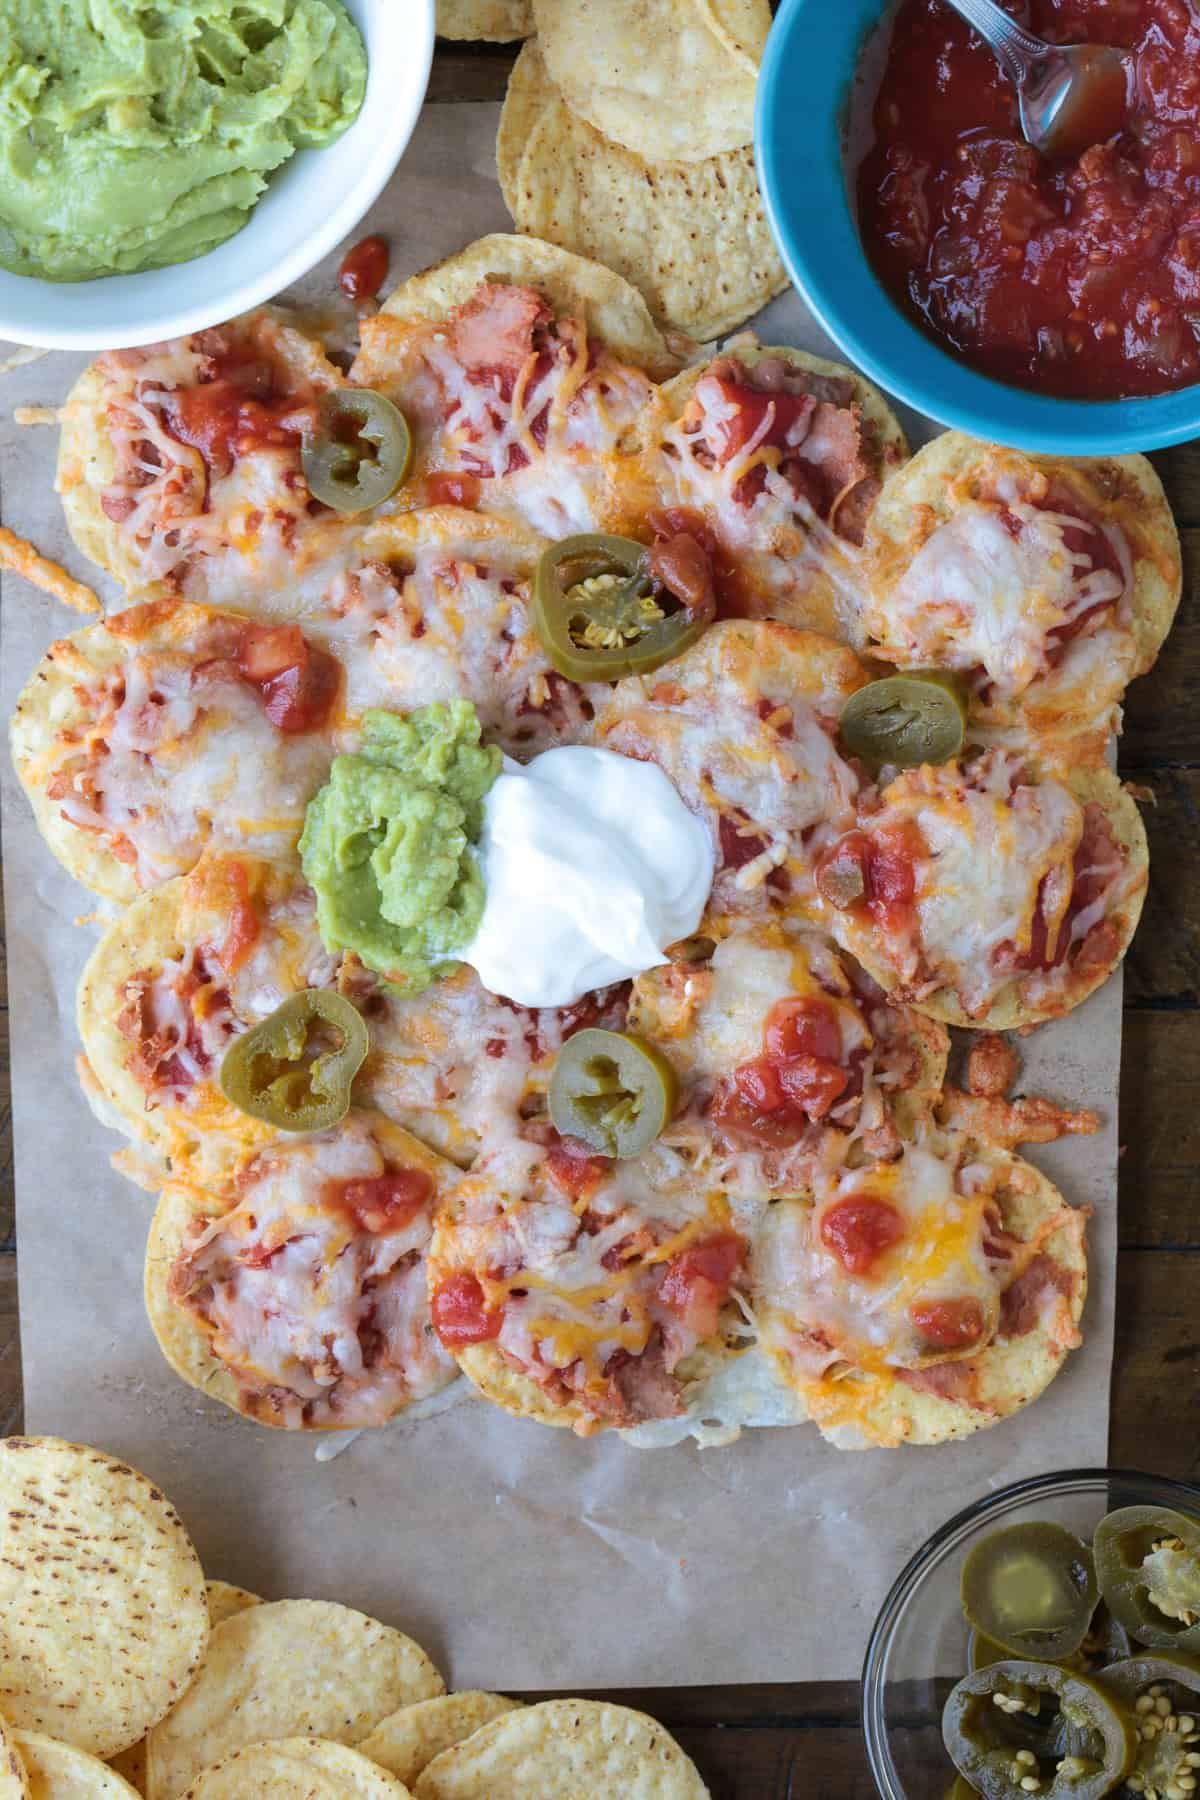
{"x": 592, "y": 866}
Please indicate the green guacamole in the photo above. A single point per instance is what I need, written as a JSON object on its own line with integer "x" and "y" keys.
{"x": 136, "y": 133}
{"x": 387, "y": 842}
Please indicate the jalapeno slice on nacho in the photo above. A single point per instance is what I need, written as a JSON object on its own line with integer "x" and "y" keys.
{"x": 295, "y": 1070}
{"x": 360, "y": 452}
{"x": 613, "y": 1090}
{"x": 605, "y": 607}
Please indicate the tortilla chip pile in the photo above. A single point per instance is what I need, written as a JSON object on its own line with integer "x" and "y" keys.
{"x": 627, "y": 136}
{"x": 123, "y": 1672}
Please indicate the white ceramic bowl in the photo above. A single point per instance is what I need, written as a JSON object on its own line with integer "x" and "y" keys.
{"x": 310, "y": 204}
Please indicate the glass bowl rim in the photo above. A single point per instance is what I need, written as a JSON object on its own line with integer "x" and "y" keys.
{"x": 1059, "y": 1483}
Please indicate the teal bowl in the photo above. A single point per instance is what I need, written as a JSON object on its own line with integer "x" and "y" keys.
{"x": 804, "y": 101}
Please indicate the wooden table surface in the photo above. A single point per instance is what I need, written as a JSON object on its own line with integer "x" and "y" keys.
{"x": 790, "y": 1742}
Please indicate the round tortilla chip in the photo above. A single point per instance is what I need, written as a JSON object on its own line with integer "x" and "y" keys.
{"x": 691, "y": 236}
{"x": 1010, "y": 1011}
{"x": 479, "y": 21}
{"x": 14, "y": 1776}
{"x": 99, "y": 1653}
{"x": 58, "y": 1772}
{"x": 1064, "y": 711}
{"x": 288, "y": 1666}
{"x": 225, "y": 1601}
{"x": 860, "y": 1409}
{"x": 658, "y": 76}
{"x": 297, "y": 1768}
{"x": 408, "y": 1741}
{"x": 573, "y": 285}
{"x": 562, "y": 1749}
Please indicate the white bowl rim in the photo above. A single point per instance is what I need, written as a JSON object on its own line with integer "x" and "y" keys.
{"x": 101, "y": 302}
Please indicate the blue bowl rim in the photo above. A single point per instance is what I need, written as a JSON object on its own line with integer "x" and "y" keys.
{"x": 1000, "y": 1500}
{"x": 912, "y": 366}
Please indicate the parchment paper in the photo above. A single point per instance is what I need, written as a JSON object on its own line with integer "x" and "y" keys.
{"x": 521, "y": 1556}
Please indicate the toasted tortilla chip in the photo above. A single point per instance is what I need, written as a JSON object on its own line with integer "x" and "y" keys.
{"x": 659, "y": 76}
{"x": 98, "y": 1654}
{"x": 225, "y": 1601}
{"x": 561, "y": 1749}
{"x": 492, "y": 21}
{"x": 275, "y": 1670}
{"x": 408, "y": 1741}
{"x": 296, "y": 1768}
{"x": 691, "y": 236}
{"x": 14, "y": 1777}
{"x": 59, "y": 1772}
{"x": 612, "y": 307}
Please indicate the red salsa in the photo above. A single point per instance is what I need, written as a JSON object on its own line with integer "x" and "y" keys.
{"x": 1077, "y": 276}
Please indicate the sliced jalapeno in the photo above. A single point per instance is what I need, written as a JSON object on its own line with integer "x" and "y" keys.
{"x": 359, "y": 453}
{"x": 1163, "y": 1694}
{"x": 1106, "y": 1643}
{"x": 295, "y": 1070}
{"x": 906, "y": 720}
{"x": 613, "y": 1090}
{"x": 1031, "y": 1589}
{"x": 1148, "y": 1562}
{"x": 959, "y": 1789}
{"x": 601, "y": 613}
{"x": 1082, "y": 1746}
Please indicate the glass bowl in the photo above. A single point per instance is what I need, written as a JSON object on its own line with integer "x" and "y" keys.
{"x": 918, "y": 1648}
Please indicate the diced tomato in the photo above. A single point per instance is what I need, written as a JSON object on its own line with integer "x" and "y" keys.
{"x": 298, "y": 682}
{"x": 875, "y": 869}
{"x": 573, "y": 1168}
{"x": 383, "y": 1204}
{"x": 697, "y": 1281}
{"x": 238, "y": 412}
{"x": 759, "y": 1086}
{"x": 364, "y": 268}
{"x": 733, "y": 432}
{"x": 444, "y": 488}
{"x": 812, "y": 1084}
{"x": 244, "y": 923}
{"x": 803, "y": 1027}
{"x": 461, "y": 1315}
{"x": 859, "y": 1230}
{"x": 948, "y": 1324}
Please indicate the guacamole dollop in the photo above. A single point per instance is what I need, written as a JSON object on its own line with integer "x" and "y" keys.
{"x": 136, "y": 133}
{"x": 387, "y": 843}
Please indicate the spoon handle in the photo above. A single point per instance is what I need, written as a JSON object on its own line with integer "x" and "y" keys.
{"x": 1015, "y": 47}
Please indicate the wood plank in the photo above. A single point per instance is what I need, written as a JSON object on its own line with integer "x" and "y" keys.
{"x": 470, "y": 71}
{"x": 1160, "y": 1132}
{"x": 12, "y": 1403}
{"x": 1156, "y": 1365}
{"x": 1160, "y": 711}
{"x": 1163, "y": 965}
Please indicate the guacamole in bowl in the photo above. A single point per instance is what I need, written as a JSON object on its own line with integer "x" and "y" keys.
{"x": 135, "y": 135}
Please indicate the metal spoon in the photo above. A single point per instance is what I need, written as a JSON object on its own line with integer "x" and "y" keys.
{"x": 1071, "y": 96}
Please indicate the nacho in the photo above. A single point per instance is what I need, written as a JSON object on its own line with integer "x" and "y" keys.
{"x": 408, "y": 1741}
{"x": 1002, "y": 1288}
{"x": 295, "y": 1292}
{"x": 1045, "y": 584}
{"x": 565, "y": 1747}
{"x": 99, "y": 1654}
{"x": 297, "y": 1768}
{"x": 783, "y": 456}
{"x": 287, "y": 1667}
{"x": 225, "y": 1600}
{"x": 661, "y": 77}
{"x": 692, "y": 237}
{"x": 59, "y": 1772}
{"x": 1014, "y": 892}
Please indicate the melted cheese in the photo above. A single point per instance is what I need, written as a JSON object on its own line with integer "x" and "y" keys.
{"x": 824, "y": 1315}
{"x": 165, "y": 750}
{"x": 326, "y": 1321}
{"x": 976, "y": 595}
